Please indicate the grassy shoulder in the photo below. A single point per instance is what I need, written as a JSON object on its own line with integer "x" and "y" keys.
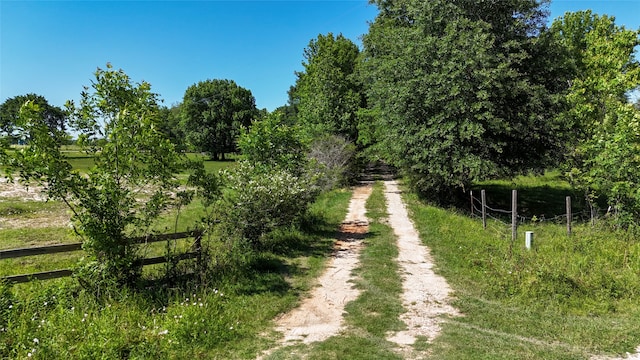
{"x": 568, "y": 298}
{"x": 220, "y": 317}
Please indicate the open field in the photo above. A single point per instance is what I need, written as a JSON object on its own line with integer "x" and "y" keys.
{"x": 82, "y": 161}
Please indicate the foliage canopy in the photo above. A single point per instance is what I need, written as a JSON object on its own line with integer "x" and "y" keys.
{"x": 53, "y": 116}
{"x": 214, "y": 112}
{"x": 604, "y": 160}
{"x": 328, "y": 93}
{"x": 462, "y": 93}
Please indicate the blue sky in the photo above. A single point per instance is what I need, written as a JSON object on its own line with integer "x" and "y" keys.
{"x": 52, "y": 48}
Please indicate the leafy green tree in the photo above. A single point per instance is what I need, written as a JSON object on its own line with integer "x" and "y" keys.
{"x": 171, "y": 125}
{"x": 460, "y": 90}
{"x": 132, "y": 182}
{"x": 327, "y": 93}
{"x": 214, "y": 112}
{"x": 606, "y": 71}
{"x": 53, "y": 116}
{"x": 289, "y": 112}
{"x": 273, "y": 143}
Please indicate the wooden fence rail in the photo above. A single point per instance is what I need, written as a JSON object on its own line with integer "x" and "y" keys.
{"x": 53, "y": 249}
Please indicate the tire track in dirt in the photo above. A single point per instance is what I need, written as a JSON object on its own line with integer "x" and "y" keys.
{"x": 321, "y": 315}
{"x": 425, "y": 294}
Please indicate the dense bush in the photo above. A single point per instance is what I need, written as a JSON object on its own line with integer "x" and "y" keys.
{"x": 335, "y": 160}
{"x": 272, "y": 143}
{"x": 270, "y": 188}
{"x": 258, "y": 199}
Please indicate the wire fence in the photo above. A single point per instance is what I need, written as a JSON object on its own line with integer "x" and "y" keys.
{"x": 504, "y": 221}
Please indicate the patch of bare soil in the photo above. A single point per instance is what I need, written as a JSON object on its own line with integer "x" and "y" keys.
{"x": 14, "y": 191}
{"x": 44, "y": 220}
{"x": 320, "y": 315}
{"x": 629, "y": 356}
{"x": 425, "y": 293}
{"x": 11, "y": 190}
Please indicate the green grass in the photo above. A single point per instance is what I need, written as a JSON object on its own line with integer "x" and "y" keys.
{"x": 83, "y": 162}
{"x": 13, "y": 208}
{"x": 566, "y": 299}
{"x": 221, "y": 317}
{"x": 212, "y": 165}
{"x": 378, "y": 307}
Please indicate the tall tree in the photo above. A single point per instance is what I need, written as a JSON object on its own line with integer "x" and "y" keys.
{"x": 327, "y": 93}
{"x": 605, "y": 160}
{"x": 53, "y": 116}
{"x": 462, "y": 90}
{"x": 214, "y": 112}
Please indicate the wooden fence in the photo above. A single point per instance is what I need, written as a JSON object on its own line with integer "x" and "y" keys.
{"x": 62, "y": 248}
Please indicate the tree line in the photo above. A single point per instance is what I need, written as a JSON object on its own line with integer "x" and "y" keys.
{"x": 449, "y": 92}
{"x": 456, "y": 91}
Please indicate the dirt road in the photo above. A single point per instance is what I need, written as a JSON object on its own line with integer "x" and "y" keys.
{"x": 425, "y": 296}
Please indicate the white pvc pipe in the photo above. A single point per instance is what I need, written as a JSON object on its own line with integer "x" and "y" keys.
{"x": 528, "y": 240}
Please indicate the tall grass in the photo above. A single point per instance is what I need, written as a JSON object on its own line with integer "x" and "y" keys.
{"x": 569, "y": 297}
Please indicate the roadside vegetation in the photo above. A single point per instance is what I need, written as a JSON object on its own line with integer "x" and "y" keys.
{"x": 568, "y": 298}
{"x": 220, "y": 317}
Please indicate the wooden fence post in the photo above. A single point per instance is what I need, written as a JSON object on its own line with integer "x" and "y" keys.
{"x": 483, "y": 195}
{"x": 471, "y": 197}
{"x": 198, "y": 245}
{"x": 569, "y": 215}
{"x": 514, "y": 214}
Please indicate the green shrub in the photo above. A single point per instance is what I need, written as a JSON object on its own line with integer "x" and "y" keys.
{"x": 131, "y": 184}
{"x": 274, "y": 144}
{"x": 335, "y": 157}
{"x": 258, "y": 199}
